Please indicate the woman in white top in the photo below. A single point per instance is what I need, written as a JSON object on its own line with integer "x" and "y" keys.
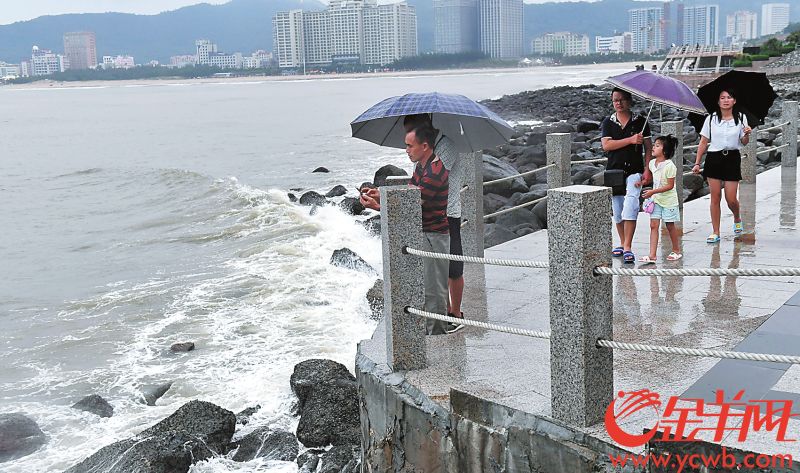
{"x": 723, "y": 134}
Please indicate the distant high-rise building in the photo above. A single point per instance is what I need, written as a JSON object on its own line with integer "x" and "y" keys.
{"x": 9, "y": 71}
{"x": 742, "y": 25}
{"x": 118, "y": 62}
{"x": 205, "y": 48}
{"x": 80, "y": 48}
{"x": 617, "y": 44}
{"x": 352, "y": 31}
{"x": 501, "y": 28}
{"x": 647, "y": 28}
{"x": 565, "y": 43}
{"x": 701, "y": 25}
{"x": 456, "y": 26}
{"x": 44, "y": 62}
{"x": 774, "y": 18}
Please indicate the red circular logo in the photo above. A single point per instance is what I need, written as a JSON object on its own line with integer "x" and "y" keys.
{"x": 629, "y": 406}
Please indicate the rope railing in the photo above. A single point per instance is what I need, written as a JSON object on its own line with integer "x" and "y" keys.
{"x": 475, "y": 323}
{"x": 702, "y": 352}
{"x": 589, "y": 161}
{"x": 689, "y": 272}
{"x": 463, "y": 189}
{"x": 769, "y": 150}
{"x": 474, "y": 259}
{"x": 601, "y": 343}
{"x": 516, "y": 207}
{"x": 691, "y": 147}
{"x": 775, "y": 127}
{"x": 509, "y": 178}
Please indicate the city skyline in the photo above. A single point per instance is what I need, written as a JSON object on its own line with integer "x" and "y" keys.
{"x": 36, "y": 8}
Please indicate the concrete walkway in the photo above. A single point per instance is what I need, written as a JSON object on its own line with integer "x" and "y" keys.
{"x": 704, "y": 312}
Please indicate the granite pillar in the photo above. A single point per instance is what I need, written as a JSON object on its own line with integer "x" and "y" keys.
{"x": 749, "y": 160}
{"x": 676, "y": 129}
{"x": 789, "y": 154}
{"x": 397, "y": 180}
{"x": 401, "y": 226}
{"x": 559, "y": 151}
{"x": 579, "y": 239}
{"x": 472, "y": 204}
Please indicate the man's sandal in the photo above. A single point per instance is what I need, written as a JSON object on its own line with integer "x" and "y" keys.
{"x": 713, "y": 238}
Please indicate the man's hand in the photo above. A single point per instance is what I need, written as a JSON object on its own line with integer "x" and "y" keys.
{"x": 636, "y": 139}
{"x": 370, "y": 198}
{"x": 747, "y": 130}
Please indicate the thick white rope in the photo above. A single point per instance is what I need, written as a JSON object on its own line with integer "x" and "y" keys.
{"x": 691, "y": 147}
{"x": 774, "y": 148}
{"x": 509, "y": 178}
{"x": 590, "y": 161}
{"x": 517, "y": 207}
{"x": 731, "y": 355}
{"x": 475, "y": 323}
{"x": 697, "y": 271}
{"x": 473, "y": 259}
{"x": 775, "y": 127}
{"x": 463, "y": 189}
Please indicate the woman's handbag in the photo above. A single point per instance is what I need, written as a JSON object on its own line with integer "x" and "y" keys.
{"x": 615, "y": 179}
{"x": 649, "y": 205}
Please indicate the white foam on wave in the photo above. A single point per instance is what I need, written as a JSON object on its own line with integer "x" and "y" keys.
{"x": 276, "y": 301}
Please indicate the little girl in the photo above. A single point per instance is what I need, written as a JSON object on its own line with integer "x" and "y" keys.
{"x": 665, "y": 198}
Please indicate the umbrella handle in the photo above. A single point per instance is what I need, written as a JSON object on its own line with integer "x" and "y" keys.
{"x": 648, "y": 116}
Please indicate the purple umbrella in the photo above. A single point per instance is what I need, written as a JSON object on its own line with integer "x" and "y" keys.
{"x": 660, "y": 89}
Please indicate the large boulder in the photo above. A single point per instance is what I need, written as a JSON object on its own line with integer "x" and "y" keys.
{"x": 540, "y": 210}
{"x": 351, "y": 205}
{"x": 312, "y": 198}
{"x": 95, "y": 404}
{"x": 535, "y": 154}
{"x": 373, "y": 224}
{"x": 375, "y": 299}
{"x": 513, "y": 220}
{"x": 496, "y": 234}
{"x": 693, "y": 182}
{"x": 268, "y": 444}
{"x": 493, "y": 202}
{"x": 539, "y": 133}
{"x": 347, "y": 258}
{"x": 152, "y": 393}
{"x": 384, "y": 171}
{"x": 197, "y": 431}
{"x": 243, "y": 416}
{"x": 19, "y": 436}
{"x": 321, "y": 169}
{"x": 336, "y": 191}
{"x": 584, "y": 126}
{"x": 307, "y": 462}
{"x": 341, "y": 459}
{"x": 494, "y": 168}
{"x": 327, "y": 403}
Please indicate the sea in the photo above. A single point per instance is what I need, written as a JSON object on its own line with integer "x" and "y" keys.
{"x": 138, "y": 215}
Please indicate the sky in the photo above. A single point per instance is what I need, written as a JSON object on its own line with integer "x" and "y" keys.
{"x": 21, "y": 10}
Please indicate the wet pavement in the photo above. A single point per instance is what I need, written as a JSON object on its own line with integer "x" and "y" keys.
{"x": 727, "y": 313}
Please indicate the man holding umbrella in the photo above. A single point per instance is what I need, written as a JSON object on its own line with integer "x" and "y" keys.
{"x": 622, "y": 138}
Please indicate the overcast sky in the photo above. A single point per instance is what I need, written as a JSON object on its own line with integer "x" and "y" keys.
{"x": 20, "y": 10}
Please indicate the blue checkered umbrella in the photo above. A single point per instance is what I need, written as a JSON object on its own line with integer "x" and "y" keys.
{"x": 470, "y": 125}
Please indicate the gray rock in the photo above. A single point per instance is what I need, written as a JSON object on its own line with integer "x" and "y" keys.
{"x": 493, "y": 169}
{"x": 536, "y": 154}
{"x": 150, "y": 394}
{"x": 373, "y": 224}
{"x": 327, "y": 402}
{"x": 268, "y": 444}
{"x": 321, "y": 169}
{"x": 493, "y": 203}
{"x": 307, "y": 462}
{"x": 693, "y": 182}
{"x": 243, "y": 417}
{"x": 196, "y": 431}
{"x": 537, "y": 191}
{"x": 347, "y": 258}
{"x": 387, "y": 170}
{"x": 337, "y": 191}
{"x": 540, "y": 210}
{"x": 292, "y": 197}
{"x": 518, "y": 217}
{"x": 19, "y": 436}
{"x": 341, "y": 459}
{"x": 312, "y": 198}
{"x": 351, "y": 205}
{"x": 181, "y": 347}
{"x": 597, "y": 179}
{"x": 496, "y": 234}
{"x": 375, "y": 299}
{"x": 584, "y": 126}
{"x": 95, "y": 404}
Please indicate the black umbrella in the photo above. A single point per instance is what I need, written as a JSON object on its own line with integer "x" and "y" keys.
{"x": 754, "y": 96}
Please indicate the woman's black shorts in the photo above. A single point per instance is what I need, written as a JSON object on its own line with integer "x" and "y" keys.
{"x": 723, "y": 165}
{"x": 456, "y": 267}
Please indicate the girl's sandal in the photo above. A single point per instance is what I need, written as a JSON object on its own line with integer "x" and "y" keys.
{"x": 713, "y": 238}
{"x": 647, "y": 260}
{"x": 674, "y": 256}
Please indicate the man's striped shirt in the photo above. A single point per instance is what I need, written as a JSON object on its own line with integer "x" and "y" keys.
{"x": 432, "y": 180}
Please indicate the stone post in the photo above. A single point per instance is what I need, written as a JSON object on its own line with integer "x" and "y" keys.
{"x": 397, "y": 180}
{"x": 559, "y": 150}
{"x": 401, "y": 226}
{"x": 579, "y": 239}
{"x": 750, "y": 160}
{"x": 789, "y": 154}
{"x": 676, "y": 129}
{"x": 472, "y": 204}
